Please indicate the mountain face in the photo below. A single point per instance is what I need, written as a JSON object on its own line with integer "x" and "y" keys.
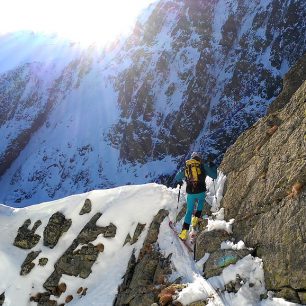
{"x": 192, "y": 76}
{"x": 214, "y": 75}
{"x": 265, "y": 188}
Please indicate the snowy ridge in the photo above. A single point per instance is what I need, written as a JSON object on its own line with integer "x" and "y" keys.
{"x": 124, "y": 207}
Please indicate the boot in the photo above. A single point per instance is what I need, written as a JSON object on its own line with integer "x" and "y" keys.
{"x": 183, "y": 235}
{"x": 197, "y": 218}
{"x": 195, "y": 221}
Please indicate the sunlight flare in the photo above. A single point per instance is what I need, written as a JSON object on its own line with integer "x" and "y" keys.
{"x": 82, "y": 21}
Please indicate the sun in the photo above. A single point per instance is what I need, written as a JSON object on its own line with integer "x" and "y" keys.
{"x": 84, "y": 21}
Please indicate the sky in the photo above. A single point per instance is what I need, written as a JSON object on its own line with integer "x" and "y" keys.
{"x": 78, "y": 20}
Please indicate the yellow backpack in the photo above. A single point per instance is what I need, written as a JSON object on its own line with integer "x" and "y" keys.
{"x": 193, "y": 172}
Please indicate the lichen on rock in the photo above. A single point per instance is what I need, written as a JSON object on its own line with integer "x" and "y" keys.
{"x": 55, "y": 228}
{"x": 86, "y": 207}
{"x": 26, "y": 238}
{"x": 28, "y": 264}
{"x": 79, "y": 262}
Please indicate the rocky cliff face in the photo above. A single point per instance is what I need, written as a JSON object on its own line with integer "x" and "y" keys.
{"x": 265, "y": 189}
{"x": 193, "y": 75}
{"x": 26, "y": 99}
{"x": 213, "y": 76}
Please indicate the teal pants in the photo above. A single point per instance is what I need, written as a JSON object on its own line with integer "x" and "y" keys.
{"x": 191, "y": 200}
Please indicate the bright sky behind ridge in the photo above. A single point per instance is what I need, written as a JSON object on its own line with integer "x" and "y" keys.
{"x": 80, "y": 20}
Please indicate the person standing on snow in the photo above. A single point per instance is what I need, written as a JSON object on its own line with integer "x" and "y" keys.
{"x": 194, "y": 173}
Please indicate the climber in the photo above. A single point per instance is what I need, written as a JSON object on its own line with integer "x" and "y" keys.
{"x": 194, "y": 173}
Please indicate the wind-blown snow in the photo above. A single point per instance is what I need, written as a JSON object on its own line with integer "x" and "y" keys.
{"x": 215, "y": 191}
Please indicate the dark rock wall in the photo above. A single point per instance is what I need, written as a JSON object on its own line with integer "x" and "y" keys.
{"x": 146, "y": 275}
{"x": 266, "y": 192}
{"x": 226, "y": 89}
{"x": 292, "y": 81}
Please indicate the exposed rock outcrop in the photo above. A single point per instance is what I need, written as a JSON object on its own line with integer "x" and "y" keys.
{"x": 227, "y": 78}
{"x": 74, "y": 262}
{"x": 43, "y": 261}
{"x": 28, "y": 263}
{"x": 2, "y": 298}
{"x": 209, "y": 242}
{"x": 220, "y": 259}
{"x": 55, "y": 228}
{"x": 26, "y": 238}
{"x": 144, "y": 275}
{"x": 292, "y": 81}
{"x": 138, "y": 230}
{"x": 91, "y": 231}
{"x": 263, "y": 171}
{"x": 86, "y": 207}
{"x": 167, "y": 295}
{"x": 43, "y": 299}
{"x": 79, "y": 262}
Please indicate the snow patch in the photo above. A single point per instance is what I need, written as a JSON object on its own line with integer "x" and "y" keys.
{"x": 229, "y": 245}
{"x": 220, "y": 225}
{"x": 250, "y": 270}
{"x": 214, "y": 193}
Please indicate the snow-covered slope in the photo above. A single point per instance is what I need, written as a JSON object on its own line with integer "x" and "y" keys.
{"x": 125, "y": 208}
{"x": 193, "y": 75}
